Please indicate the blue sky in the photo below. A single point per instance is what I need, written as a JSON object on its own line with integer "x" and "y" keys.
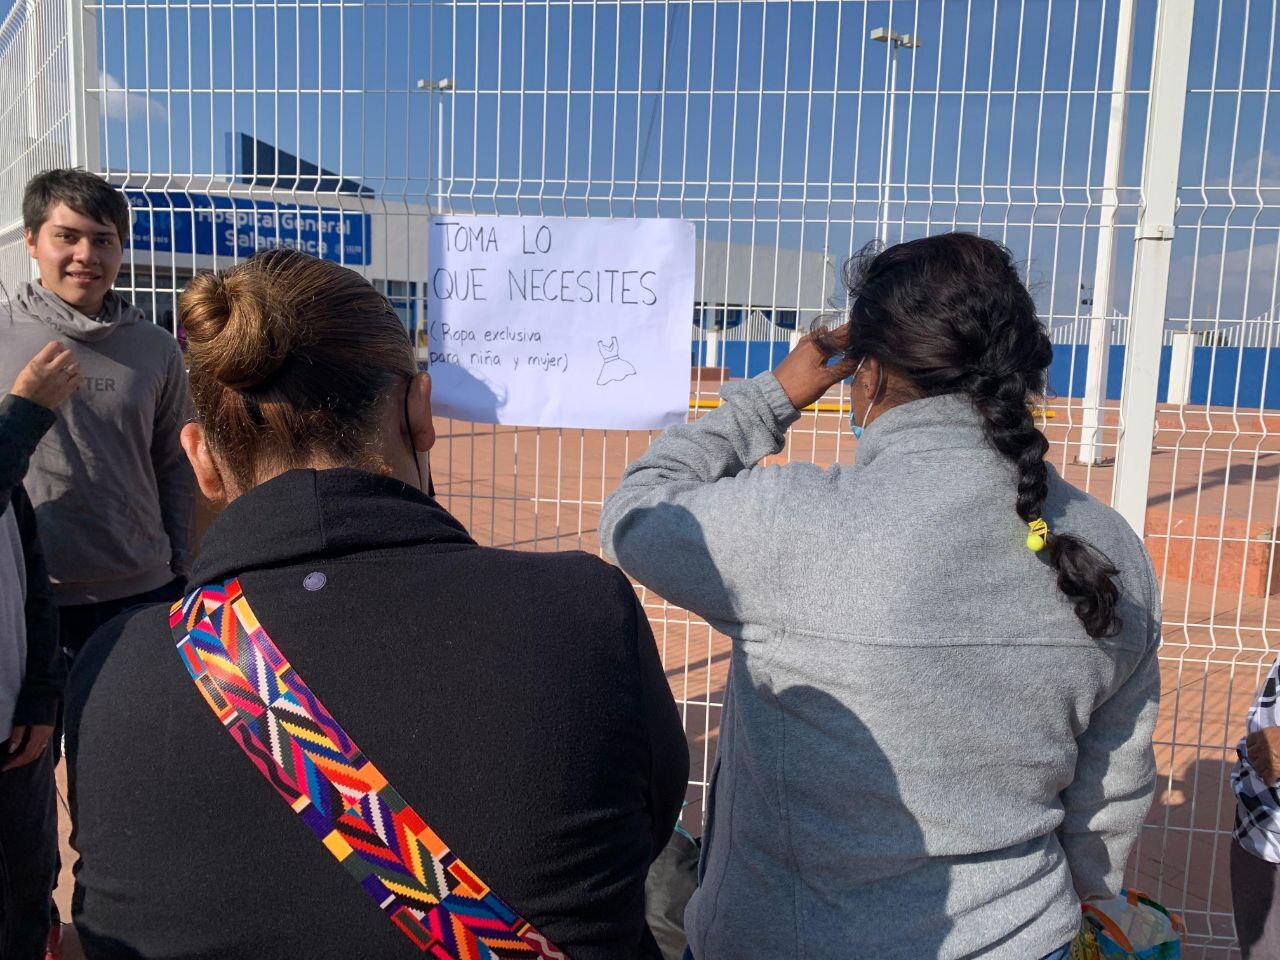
{"x": 763, "y": 122}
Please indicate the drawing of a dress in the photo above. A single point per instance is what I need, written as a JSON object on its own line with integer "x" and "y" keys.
{"x": 614, "y": 368}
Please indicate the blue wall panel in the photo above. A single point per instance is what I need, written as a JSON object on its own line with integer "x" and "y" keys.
{"x": 1222, "y": 376}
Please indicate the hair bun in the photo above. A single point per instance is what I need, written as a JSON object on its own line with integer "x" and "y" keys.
{"x": 237, "y": 331}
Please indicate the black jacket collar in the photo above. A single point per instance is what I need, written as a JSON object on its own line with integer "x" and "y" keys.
{"x": 317, "y": 513}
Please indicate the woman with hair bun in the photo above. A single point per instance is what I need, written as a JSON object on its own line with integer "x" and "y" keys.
{"x": 360, "y": 734}
{"x": 936, "y": 738}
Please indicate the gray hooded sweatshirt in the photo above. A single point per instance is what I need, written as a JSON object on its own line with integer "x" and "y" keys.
{"x": 922, "y": 753}
{"x": 112, "y": 489}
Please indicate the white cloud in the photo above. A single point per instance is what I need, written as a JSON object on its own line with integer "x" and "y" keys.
{"x": 1260, "y": 170}
{"x": 121, "y": 104}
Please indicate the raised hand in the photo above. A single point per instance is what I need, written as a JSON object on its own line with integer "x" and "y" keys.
{"x": 1263, "y": 749}
{"x": 50, "y": 377}
{"x": 806, "y": 373}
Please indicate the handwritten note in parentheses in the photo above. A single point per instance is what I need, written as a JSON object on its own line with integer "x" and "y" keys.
{"x": 560, "y": 323}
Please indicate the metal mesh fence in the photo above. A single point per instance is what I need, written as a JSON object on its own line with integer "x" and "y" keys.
{"x": 36, "y": 111}
{"x": 790, "y": 134}
{"x": 1212, "y": 504}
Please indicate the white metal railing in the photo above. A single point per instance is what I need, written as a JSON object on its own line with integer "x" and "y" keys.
{"x": 35, "y": 112}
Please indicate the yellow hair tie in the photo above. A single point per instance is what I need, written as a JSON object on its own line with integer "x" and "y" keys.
{"x": 1036, "y": 538}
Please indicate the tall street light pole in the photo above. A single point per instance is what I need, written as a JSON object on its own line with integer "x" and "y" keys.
{"x": 895, "y": 41}
{"x": 441, "y": 86}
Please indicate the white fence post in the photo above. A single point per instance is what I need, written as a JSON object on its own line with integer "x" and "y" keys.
{"x": 75, "y": 84}
{"x": 1095, "y": 388}
{"x": 1154, "y": 237}
{"x": 1180, "y": 366}
{"x": 82, "y": 79}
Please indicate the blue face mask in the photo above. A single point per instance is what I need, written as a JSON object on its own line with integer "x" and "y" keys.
{"x": 854, "y": 425}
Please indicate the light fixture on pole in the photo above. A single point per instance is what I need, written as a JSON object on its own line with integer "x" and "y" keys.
{"x": 443, "y": 85}
{"x": 885, "y": 35}
{"x": 895, "y": 41}
{"x": 434, "y": 205}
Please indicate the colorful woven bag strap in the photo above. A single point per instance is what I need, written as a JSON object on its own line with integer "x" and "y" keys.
{"x": 296, "y": 744}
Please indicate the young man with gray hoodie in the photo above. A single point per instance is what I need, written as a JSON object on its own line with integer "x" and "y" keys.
{"x": 112, "y": 490}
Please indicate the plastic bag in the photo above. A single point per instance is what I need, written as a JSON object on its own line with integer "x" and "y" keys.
{"x": 1131, "y": 926}
{"x": 672, "y": 879}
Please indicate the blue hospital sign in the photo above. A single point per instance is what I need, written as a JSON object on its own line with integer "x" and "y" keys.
{"x": 239, "y": 226}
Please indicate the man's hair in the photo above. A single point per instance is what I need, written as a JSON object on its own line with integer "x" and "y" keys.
{"x": 85, "y": 193}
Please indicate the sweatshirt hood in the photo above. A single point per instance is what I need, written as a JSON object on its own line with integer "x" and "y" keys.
{"x": 55, "y": 312}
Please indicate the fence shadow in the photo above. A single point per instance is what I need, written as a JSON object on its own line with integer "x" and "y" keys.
{"x": 1183, "y": 859}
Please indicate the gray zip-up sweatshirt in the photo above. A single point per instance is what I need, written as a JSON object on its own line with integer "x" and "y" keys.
{"x": 922, "y": 753}
{"x": 112, "y": 489}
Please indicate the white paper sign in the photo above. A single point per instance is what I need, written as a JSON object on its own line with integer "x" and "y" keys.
{"x": 560, "y": 323}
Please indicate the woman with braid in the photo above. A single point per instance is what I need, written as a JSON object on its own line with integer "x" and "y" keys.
{"x": 936, "y": 739}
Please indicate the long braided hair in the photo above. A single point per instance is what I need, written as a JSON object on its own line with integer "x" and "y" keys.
{"x": 952, "y": 316}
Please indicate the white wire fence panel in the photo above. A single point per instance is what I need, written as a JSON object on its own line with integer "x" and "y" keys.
{"x": 1213, "y": 494}
{"x": 35, "y": 94}
{"x": 785, "y": 131}
{"x": 790, "y": 138}
{"x": 36, "y": 107}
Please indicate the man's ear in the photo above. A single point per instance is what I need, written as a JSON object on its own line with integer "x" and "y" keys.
{"x": 29, "y": 237}
{"x": 208, "y": 476}
{"x": 421, "y": 427}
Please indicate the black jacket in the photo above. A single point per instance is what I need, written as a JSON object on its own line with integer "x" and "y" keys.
{"x": 516, "y": 700}
{"x": 22, "y": 424}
